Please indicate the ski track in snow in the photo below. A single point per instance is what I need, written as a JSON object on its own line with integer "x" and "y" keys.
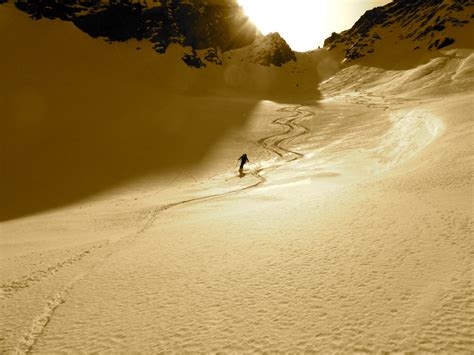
{"x": 273, "y": 143}
{"x": 10, "y": 288}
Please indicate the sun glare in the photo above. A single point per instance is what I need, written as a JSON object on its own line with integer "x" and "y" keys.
{"x": 300, "y": 22}
{"x": 305, "y": 24}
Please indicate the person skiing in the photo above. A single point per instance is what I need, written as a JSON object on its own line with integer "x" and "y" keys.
{"x": 243, "y": 159}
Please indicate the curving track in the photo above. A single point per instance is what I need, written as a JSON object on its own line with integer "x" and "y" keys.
{"x": 274, "y": 143}
{"x": 292, "y": 130}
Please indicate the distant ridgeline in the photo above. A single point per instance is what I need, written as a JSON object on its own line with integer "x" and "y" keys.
{"x": 208, "y": 26}
{"x": 425, "y": 24}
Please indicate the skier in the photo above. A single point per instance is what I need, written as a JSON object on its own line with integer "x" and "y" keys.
{"x": 243, "y": 159}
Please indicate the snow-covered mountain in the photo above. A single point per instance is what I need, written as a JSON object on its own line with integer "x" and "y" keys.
{"x": 205, "y": 27}
{"x": 408, "y": 25}
{"x": 270, "y": 49}
{"x": 266, "y": 50}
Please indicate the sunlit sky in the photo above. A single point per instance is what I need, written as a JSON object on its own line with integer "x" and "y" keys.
{"x": 305, "y": 24}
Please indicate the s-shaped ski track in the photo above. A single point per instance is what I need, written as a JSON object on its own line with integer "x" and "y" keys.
{"x": 273, "y": 143}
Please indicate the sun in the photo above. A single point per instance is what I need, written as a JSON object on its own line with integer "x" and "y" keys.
{"x": 302, "y": 23}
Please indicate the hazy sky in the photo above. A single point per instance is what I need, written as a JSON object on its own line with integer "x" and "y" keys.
{"x": 305, "y": 24}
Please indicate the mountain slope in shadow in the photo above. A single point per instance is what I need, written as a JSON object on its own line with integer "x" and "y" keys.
{"x": 80, "y": 115}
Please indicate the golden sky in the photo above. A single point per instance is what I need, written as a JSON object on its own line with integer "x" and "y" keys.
{"x": 305, "y": 24}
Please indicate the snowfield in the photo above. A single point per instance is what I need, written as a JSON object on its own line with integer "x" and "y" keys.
{"x": 350, "y": 230}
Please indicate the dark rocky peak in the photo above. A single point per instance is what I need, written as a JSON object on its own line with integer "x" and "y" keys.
{"x": 370, "y": 19}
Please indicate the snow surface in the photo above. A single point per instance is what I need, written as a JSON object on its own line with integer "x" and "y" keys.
{"x": 349, "y": 231}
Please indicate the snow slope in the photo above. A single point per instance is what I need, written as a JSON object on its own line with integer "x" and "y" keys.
{"x": 79, "y": 118}
{"x": 350, "y": 230}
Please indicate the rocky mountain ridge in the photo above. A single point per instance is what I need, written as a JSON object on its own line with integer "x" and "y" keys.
{"x": 208, "y": 26}
{"x": 421, "y": 24}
